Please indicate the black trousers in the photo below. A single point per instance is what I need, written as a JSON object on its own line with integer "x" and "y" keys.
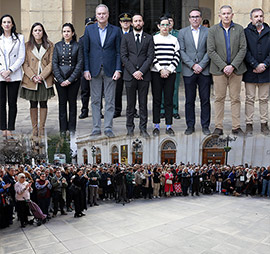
{"x": 58, "y": 199}
{"x": 85, "y": 95}
{"x": 44, "y": 204}
{"x": 23, "y": 211}
{"x": 68, "y": 95}
{"x": 204, "y": 83}
{"x": 165, "y": 85}
{"x": 8, "y": 93}
{"x": 78, "y": 202}
{"x": 118, "y": 95}
{"x": 132, "y": 87}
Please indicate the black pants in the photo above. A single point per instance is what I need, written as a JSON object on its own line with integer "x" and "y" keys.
{"x": 132, "y": 87}
{"x": 118, "y": 96}
{"x": 23, "y": 211}
{"x": 165, "y": 85}
{"x": 195, "y": 188}
{"x": 204, "y": 83}
{"x": 85, "y": 95}
{"x": 8, "y": 93}
{"x": 58, "y": 199}
{"x": 78, "y": 202}
{"x": 68, "y": 95}
{"x": 44, "y": 204}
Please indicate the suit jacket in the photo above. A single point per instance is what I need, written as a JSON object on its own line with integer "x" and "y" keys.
{"x": 216, "y": 49}
{"x": 95, "y": 55}
{"x": 189, "y": 54}
{"x": 133, "y": 60}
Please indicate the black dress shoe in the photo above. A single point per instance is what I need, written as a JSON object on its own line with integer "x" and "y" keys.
{"x": 116, "y": 114}
{"x": 109, "y": 134}
{"x": 130, "y": 133}
{"x": 170, "y": 132}
{"x": 76, "y": 215}
{"x": 83, "y": 115}
{"x": 136, "y": 115}
{"x": 96, "y": 204}
{"x": 156, "y": 132}
{"x": 218, "y": 132}
{"x": 206, "y": 131}
{"x": 144, "y": 134}
{"x": 238, "y": 132}
{"x": 96, "y": 133}
{"x": 176, "y": 116}
{"x": 189, "y": 130}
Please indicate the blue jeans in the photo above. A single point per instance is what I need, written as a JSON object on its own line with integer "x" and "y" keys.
{"x": 265, "y": 184}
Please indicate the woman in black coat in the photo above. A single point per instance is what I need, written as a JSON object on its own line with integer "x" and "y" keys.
{"x": 67, "y": 65}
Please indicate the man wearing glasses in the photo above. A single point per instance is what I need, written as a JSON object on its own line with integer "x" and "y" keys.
{"x": 195, "y": 69}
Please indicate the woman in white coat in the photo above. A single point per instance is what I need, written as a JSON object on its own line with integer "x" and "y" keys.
{"x": 12, "y": 54}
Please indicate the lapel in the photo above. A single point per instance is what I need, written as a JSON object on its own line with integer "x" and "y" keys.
{"x": 39, "y": 54}
{"x": 132, "y": 41}
{"x": 142, "y": 42}
{"x": 191, "y": 37}
{"x": 14, "y": 41}
{"x": 201, "y": 34}
{"x": 108, "y": 34}
{"x": 96, "y": 33}
{"x": 1, "y": 44}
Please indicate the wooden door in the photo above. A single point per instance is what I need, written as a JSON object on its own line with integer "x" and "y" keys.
{"x": 168, "y": 157}
{"x": 215, "y": 156}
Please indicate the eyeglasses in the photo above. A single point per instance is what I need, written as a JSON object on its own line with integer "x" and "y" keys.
{"x": 194, "y": 17}
{"x": 164, "y": 25}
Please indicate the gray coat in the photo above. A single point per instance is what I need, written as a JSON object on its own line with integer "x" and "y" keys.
{"x": 189, "y": 54}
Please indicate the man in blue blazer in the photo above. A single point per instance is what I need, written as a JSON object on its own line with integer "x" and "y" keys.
{"x": 103, "y": 67}
{"x": 195, "y": 69}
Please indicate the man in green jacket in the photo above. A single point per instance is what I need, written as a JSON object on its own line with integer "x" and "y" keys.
{"x": 226, "y": 47}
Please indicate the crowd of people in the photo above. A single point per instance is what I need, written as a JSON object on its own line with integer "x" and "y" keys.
{"x": 69, "y": 187}
{"x": 108, "y": 56}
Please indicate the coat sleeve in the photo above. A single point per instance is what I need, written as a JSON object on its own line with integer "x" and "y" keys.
{"x": 237, "y": 61}
{"x": 86, "y": 50}
{"x": 150, "y": 57}
{"x": 21, "y": 55}
{"x": 55, "y": 66}
{"x": 118, "y": 57}
{"x": 48, "y": 69}
{"x": 79, "y": 65}
{"x": 211, "y": 50}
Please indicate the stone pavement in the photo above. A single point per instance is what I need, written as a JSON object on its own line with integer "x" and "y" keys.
{"x": 23, "y": 123}
{"x": 205, "y": 224}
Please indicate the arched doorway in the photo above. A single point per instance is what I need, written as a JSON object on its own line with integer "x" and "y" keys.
{"x": 98, "y": 155}
{"x": 115, "y": 155}
{"x": 168, "y": 152}
{"x": 85, "y": 157}
{"x": 137, "y": 158}
{"x": 213, "y": 151}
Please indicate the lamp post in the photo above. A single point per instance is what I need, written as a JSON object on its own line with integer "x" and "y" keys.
{"x": 136, "y": 144}
{"x": 227, "y": 148}
{"x": 93, "y": 148}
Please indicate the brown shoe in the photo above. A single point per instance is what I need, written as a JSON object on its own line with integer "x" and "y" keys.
{"x": 249, "y": 129}
{"x": 265, "y": 128}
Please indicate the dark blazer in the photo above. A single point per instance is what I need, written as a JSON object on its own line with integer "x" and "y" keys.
{"x": 189, "y": 54}
{"x": 258, "y": 51}
{"x": 134, "y": 61}
{"x": 95, "y": 55}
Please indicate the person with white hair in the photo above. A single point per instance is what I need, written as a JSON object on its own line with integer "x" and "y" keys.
{"x": 22, "y": 194}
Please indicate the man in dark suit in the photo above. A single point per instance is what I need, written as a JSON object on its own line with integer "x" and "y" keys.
{"x": 102, "y": 67}
{"x": 195, "y": 69}
{"x": 137, "y": 54}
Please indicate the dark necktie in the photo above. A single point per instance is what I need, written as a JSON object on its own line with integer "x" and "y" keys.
{"x": 138, "y": 42}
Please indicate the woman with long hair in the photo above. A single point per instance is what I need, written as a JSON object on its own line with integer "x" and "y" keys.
{"x": 12, "y": 53}
{"x": 67, "y": 67}
{"x": 37, "y": 82}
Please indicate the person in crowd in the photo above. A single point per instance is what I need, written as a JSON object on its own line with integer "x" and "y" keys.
{"x": 137, "y": 54}
{"x": 226, "y": 47}
{"x": 139, "y": 178}
{"x": 4, "y": 204}
{"x": 85, "y": 84}
{"x": 258, "y": 73}
{"x": 22, "y": 189}
{"x": 185, "y": 181}
{"x": 121, "y": 184}
{"x": 195, "y": 68}
{"x": 37, "y": 82}
{"x": 206, "y": 23}
{"x": 130, "y": 178}
{"x": 11, "y": 44}
{"x": 149, "y": 183}
{"x": 176, "y": 115}
{"x": 59, "y": 184}
{"x": 94, "y": 178}
{"x": 219, "y": 180}
{"x": 168, "y": 189}
{"x": 156, "y": 180}
{"x": 196, "y": 181}
{"x": 165, "y": 62}
{"x": 266, "y": 182}
{"x": 78, "y": 184}
{"x": 67, "y": 174}
{"x": 43, "y": 187}
{"x": 67, "y": 66}
{"x": 102, "y": 65}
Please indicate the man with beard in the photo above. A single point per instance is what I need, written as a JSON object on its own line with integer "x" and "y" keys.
{"x": 137, "y": 54}
{"x": 258, "y": 73}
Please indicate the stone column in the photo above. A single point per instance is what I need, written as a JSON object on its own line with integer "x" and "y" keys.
{"x": 51, "y": 13}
